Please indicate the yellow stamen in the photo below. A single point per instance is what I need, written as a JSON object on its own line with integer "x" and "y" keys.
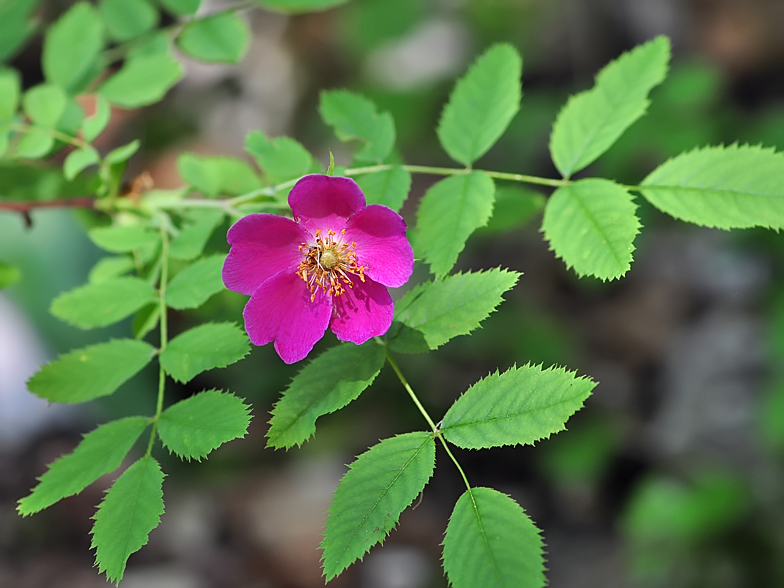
{"x": 328, "y": 264}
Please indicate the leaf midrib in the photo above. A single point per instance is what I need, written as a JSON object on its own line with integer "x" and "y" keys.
{"x": 512, "y": 416}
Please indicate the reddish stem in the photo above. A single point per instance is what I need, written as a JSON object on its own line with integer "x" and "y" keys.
{"x": 25, "y": 207}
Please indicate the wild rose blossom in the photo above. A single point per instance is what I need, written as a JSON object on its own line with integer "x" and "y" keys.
{"x": 329, "y": 267}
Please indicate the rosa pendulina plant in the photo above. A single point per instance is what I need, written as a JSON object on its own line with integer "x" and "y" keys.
{"x": 329, "y": 267}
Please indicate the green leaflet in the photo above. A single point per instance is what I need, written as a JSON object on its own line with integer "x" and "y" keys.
{"x": 194, "y": 427}
{"x": 194, "y": 234}
{"x": 126, "y": 19}
{"x": 72, "y": 48}
{"x": 16, "y": 25}
{"x": 491, "y": 542}
{"x": 91, "y": 372}
{"x": 142, "y": 80}
{"x": 221, "y": 38}
{"x": 34, "y": 144}
{"x": 194, "y": 285}
{"x": 482, "y": 104}
{"x": 181, "y": 7}
{"x": 94, "y": 125}
{"x": 213, "y": 176}
{"x": 300, "y": 5}
{"x": 123, "y": 239}
{"x": 593, "y": 120}
{"x": 78, "y": 160}
{"x": 667, "y": 510}
{"x": 9, "y": 274}
{"x": 355, "y": 117}
{"x": 326, "y": 384}
{"x": 726, "y": 187}
{"x": 281, "y": 158}
{"x": 202, "y": 348}
{"x": 45, "y": 104}
{"x": 145, "y": 320}
{"x": 10, "y": 90}
{"x": 388, "y": 187}
{"x": 435, "y": 312}
{"x": 130, "y": 510}
{"x": 518, "y": 407}
{"x": 450, "y": 211}
{"x": 110, "y": 267}
{"x": 104, "y": 303}
{"x": 99, "y": 453}
{"x": 591, "y": 225}
{"x": 367, "y": 503}
{"x": 123, "y": 153}
{"x": 514, "y": 207}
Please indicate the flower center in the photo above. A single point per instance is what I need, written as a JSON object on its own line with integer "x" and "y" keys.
{"x": 328, "y": 263}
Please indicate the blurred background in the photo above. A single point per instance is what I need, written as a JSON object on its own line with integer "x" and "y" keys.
{"x": 673, "y": 473}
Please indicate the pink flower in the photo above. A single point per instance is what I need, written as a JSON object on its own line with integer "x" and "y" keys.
{"x": 329, "y": 267}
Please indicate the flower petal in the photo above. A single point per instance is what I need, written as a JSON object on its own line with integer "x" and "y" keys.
{"x": 280, "y": 310}
{"x": 382, "y": 247}
{"x": 324, "y": 202}
{"x": 261, "y": 246}
{"x": 362, "y": 312}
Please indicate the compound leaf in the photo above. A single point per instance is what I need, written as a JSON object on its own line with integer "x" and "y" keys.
{"x": 518, "y": 407}
{"x": 726, "y": 187}
{"x": 355, "y": 117}
{"x": 435, "y": 312}
{"x": 491, "y": 542}
{"x": 482, "y": 104}
{"x": 326, "y": 384}
{"x": 450, "y": 211}
{"x": 130, "y": 510}
{"x": 592, "y": 121}
{"x": 99, "y": 453}
{"x": 388, "y": 187}
{"x": 193, "y": 286}
{"x": 221, "y": 38}
{"x": 367, "y": 503}
{"x": 91, "y": 372}
{"x": 104, "y": 303}
{"x": 202, "y": 348}
{"x": 194, "y": 427}
{"x": 591, "y": 225}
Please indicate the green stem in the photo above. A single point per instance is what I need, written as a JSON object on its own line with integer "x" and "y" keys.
{"x": 436, "y": 431}
{"x": 451, "y": 171}
{"x": 76, "y": 142}
{"x": 164, "y": 334}
{"x": 411, "y": 393}
{"x": 454, "y": 461}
